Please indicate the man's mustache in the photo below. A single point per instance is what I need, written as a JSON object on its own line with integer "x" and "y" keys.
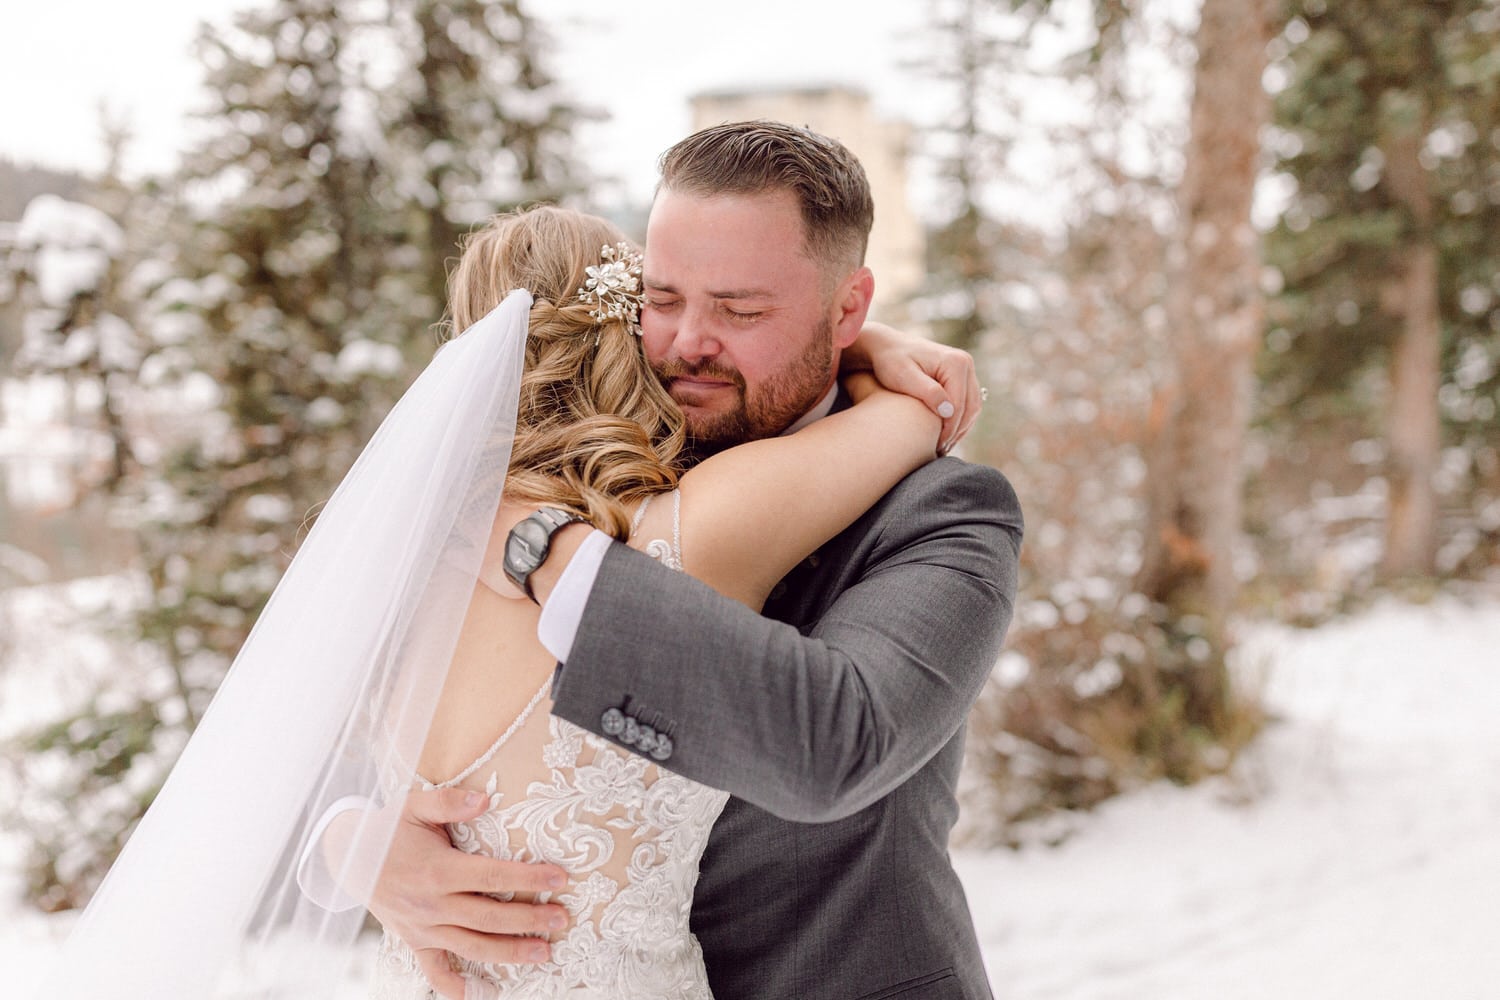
{"x": 668, "y": 370}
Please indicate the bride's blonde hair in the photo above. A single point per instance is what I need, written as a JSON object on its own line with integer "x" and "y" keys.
{"x": 595, "y": 430}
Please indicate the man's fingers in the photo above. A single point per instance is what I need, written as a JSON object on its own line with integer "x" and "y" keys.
{"x": 438, "y": 969}
{"x": 492, "y": 948}
{"x": 491, "y": 916}
{"x": 477, "y": 873}
{"x": 437, "y": 806}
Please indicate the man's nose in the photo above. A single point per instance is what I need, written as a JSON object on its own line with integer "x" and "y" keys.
{"x": 695, "y": 340}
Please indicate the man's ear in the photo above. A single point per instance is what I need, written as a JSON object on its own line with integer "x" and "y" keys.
{"x": 851, "y": 302}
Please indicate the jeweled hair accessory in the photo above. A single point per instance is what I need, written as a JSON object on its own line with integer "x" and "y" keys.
{"x": 613, "y": 287}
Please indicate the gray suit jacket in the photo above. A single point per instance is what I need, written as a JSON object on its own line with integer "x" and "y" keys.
{"x": 838, "y": 730}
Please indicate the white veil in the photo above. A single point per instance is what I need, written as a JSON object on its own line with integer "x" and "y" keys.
{"x": 331, "y": 696}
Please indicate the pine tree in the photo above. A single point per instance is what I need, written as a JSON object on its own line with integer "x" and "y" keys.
{"x": 1389, "y": 130}
{"x": 347, "y": 146}
{"x": 477, "y": 119}
{"x": 90, "y": 282}
{"x": 970, "y": 52}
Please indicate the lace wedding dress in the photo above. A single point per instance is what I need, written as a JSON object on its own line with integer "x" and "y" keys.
{"x": 629, "y": 832}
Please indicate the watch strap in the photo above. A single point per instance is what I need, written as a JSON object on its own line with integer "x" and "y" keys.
{"x": 551, "y": 519}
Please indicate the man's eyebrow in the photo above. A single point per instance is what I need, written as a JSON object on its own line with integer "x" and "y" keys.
{"x": 656, "y": 285}
{"x": 742, "y": 293}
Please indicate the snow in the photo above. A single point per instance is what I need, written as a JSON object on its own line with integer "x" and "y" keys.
{"x": 1351, "y": 852}
{"x": 72, "y": 245}
{"x": 368, "y": 357}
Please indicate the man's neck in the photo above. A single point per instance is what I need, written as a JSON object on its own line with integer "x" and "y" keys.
{"x": 819, "y": 410}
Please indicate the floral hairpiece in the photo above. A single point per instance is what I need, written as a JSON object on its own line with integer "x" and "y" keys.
{"x": 613, "y": 287}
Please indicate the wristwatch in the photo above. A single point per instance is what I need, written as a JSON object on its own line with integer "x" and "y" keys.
{"x": 527, "y": 545}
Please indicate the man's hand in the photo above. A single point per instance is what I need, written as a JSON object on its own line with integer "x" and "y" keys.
{"x": 943, "y": 377}
{"x": 429, "y": 894}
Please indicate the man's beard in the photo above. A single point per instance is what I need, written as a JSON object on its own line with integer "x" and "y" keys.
{"x": 771, "y": 409}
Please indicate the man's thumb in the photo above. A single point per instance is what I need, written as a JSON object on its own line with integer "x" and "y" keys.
{"x": 444, "y": 805}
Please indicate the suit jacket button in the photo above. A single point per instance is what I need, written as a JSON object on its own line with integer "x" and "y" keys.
{"x": 612, "y": 722}
{"x": 646, "y": 739}
{"x": 632, "y": 731}
{"x": 663, "y": 748}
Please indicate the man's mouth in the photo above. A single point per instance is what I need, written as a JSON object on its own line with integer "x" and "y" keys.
{"x": 700, "y": 383}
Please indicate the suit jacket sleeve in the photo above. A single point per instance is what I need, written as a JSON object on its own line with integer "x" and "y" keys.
{"x": 814, "y": 726}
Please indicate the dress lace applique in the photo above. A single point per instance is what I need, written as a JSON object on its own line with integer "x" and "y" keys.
{"x": 628, "y": 831}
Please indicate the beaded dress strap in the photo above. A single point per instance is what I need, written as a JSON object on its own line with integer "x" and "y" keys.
{"x": 677, "y": 527}
{"x": 485, "y": 757}
{"x": 640, "y": 515}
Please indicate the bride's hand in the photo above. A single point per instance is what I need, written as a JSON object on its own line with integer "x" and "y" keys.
{"x": 942, "y": 377}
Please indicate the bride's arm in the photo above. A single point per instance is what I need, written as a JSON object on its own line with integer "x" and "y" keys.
{"x": 942, "y": 376}
{"x": 758, "y": 509}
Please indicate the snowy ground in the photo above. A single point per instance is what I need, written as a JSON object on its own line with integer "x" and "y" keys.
{"x": 1354, "y": 853}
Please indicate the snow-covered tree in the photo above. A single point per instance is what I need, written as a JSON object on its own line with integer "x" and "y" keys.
{"x": 1390, "y": 317}
{"x": 346, "y": 146}
{"x": 1071, "y": 312}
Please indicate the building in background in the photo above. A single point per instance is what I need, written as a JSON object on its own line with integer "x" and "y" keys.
{"x": 897, "y": 242}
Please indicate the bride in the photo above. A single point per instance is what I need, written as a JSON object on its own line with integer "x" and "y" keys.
{"x": 627, "y": 830}
{"x": 396, "y": 654}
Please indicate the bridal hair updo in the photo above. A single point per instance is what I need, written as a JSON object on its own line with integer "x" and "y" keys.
{"x": 595, "y": 430}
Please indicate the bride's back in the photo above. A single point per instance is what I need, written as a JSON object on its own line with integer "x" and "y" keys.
{"x": 497, "y": 667}
{"x": 629, "y": 833}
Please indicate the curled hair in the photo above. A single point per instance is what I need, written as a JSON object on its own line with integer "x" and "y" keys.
{"x": 754, "y": 157}
{"x": 595, "y": 430}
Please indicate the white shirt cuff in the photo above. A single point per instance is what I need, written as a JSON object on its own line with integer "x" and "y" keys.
{"x": 313, "y": 877}
{"x": 558, "y": 626}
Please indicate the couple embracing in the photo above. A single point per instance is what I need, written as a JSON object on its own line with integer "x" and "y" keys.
{"x": 678, "y": 715}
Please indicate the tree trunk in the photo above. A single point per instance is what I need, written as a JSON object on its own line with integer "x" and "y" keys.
{"x": 1414, "y": 426}
{"x": 1215, "y": 311}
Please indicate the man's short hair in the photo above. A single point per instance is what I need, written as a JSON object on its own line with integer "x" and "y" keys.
{"x": 755, "y": 157}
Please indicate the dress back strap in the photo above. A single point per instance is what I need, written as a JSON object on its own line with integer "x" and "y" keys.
{"x": 677, "y": 527}
{"x": 640, "y": 515}
{"x": 485, "y": 757}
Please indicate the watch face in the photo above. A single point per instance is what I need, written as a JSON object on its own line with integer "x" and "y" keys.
{"x": 525, "y": 546}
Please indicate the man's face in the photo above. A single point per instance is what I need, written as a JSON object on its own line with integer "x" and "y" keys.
{"x": 737, "y": 323}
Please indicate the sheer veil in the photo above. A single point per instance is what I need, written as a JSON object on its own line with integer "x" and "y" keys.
{"x": 331, "y": 696}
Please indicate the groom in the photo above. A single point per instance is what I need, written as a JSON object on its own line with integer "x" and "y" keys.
{"x": 836, "y": 722}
